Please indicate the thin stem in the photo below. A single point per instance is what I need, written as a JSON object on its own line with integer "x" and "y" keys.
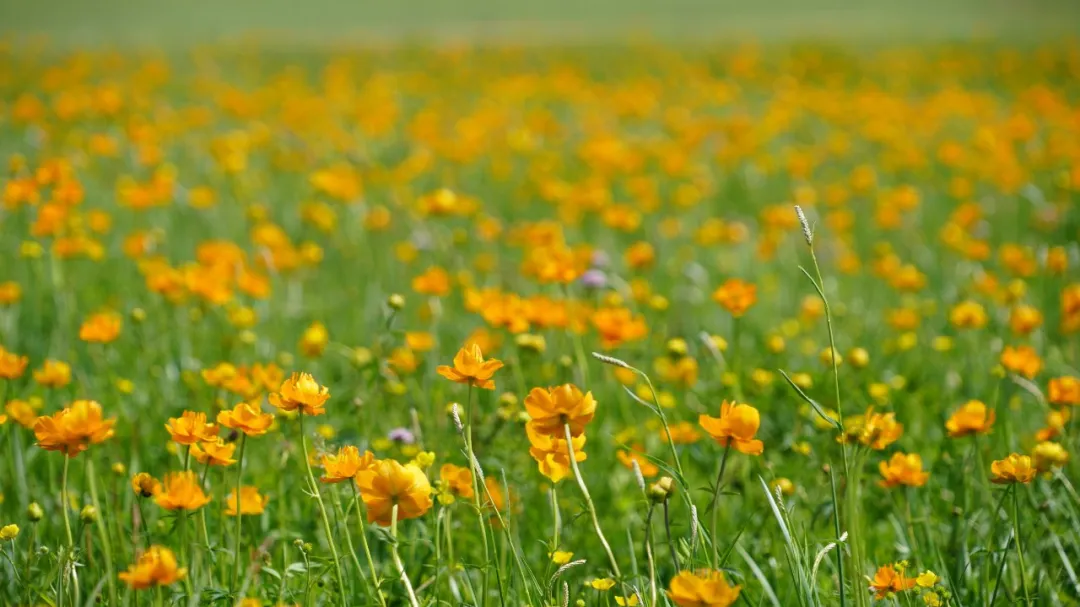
{"x": 589, "y": 501}
{"x": 348, "y": 536}
{"x": 367, "y": 548}
{"x": 670, "y": 539}
{"x": 649, "y": 553}
{"x": 663, "y": 420}
{"x": 106, "y": 542}
{"x": 397, "y": 559}
{"x": 64, "y": 504}
{"x": 239, "y": 528}
{"x": 716, "y": 507}
{"x": 1019, "y": 545}
{"x": 476, "y": 492}
{"x": 322, "y": 511}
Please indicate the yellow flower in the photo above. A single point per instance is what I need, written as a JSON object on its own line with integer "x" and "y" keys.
{"x": 155, "y": 567}
{"x": 1021, "y": 360}
{"x": 387, "y": 483}
{"x": 704, "y": 589}
{"x": 53, "y": 374}
{"x": 419, "y": 341}
{"x": 737, "y": 425}
{"x": 101, "y": 328}
{"x": 346, "y": 464}
{"x": 927, "y": 579}
{"x": 301, "y": 392}
{"x": 1063, "y": 391}
{"x": 214, "y": 452}
{"x": 190, "y": 428}
{"x": 145, "y": 485}
{"x": 736, "y": 296}
{"x": 626, "y": 601}
{"x": 552, "y": 454}
{"x": 457, "y": 479}
{"x": 181, "y": 491}
{"x": 972, "y": 417}
{"x": 471, "y": 368}
{"x": 9, "y": 532}
{"x": 1049, "y": 455}
{"x": 549, "y": 410}
{"x": 12, "y": 366}
{"x": 561, "y": 557}
{"x": 968, "y": 315}
{"x": 250, "y": 501}
{"x": 247, "y": 418}
{"x": 314, "y": 340}
{"x": 903, "y": 469}
{"x": 1013, "y": 469}
{"x": 602, "y": 584}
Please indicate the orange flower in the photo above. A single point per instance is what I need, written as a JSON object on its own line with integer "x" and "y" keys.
{"x": 549, "y": 410}
{"x": 1021, "y": 360}
{"x": 181, "y": 491}
{"x": 387, "y": 483}
{"x": 968, "y": 315}
{"x": 457, "y": 479}
{"x": 471, "y": 368}
{"x": 247, "y": 418}
{"x": 155, "y": 567}
{"x": 618, "y": 325}
{"x": 215, "y": 452}
{"x": 737, "y": 425}
{"x": 145, "y": 485}
{"x": 704, "y": 589}
{"x": 302, "y": 392}
{"x": 12, "y": 366}
{"x": 1064, "y": 391}
{"x": 72, "y": 429}
{"x": 636, "y": 454}
{"x": 1055, "y": 423}
{"x": 434, "y": 281}
{"x": 190, "y": 428}
{"x": 736, "y": 296}
{"x": 419, "y": 341}
{"x": 682, "y": 433}
{"x": 218, "y": 375}
{"x": 53, "y": 374}
{"x": 1013, "y": 469}
{"x": 903, "y": 469}
{"x": 1024, "y": 319}
{"x": 889, "y": 579}
{"x": 972, "y": 417}
{"x": 551, "y": 452}
{"x": 101, "y": 328}
{"x": 250, "y": 502}
{"x": 21, "y": 411}
{"x": 346, "y": 464}
{"x": 875, "y": 430}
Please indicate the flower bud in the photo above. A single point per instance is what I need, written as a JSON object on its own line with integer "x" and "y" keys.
{"x": 34, "y": 512}
{"x": 395, "y": 301}
{"x": 662, "y": 489}
{"x": 119, "y": 469}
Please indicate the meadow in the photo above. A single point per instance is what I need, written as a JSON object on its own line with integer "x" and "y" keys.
{"x": 625, "y": 323}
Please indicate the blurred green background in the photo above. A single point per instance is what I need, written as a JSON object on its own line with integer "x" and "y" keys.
{"x": 147, "y": 22}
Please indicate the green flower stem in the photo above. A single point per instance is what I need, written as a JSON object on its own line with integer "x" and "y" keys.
{"x": 322, "y": 511}
{"x": 397, "y": 559}
{"x": 713, "y": 536}
{"x": 367, "y": 547}
{"x": 239, "y": 528}
{"x": 106, "y": 541}
{"x": 1019, "y": 545}
{"x": 476, "y": 493}
{"x": 589, "y": 501}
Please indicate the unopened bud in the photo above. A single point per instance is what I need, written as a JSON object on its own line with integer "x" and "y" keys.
{"x": 89, "y": 514}
{"x": 34, "y": 512}
{"x": 395, "y": 301}
{"x": 662, "y": 489}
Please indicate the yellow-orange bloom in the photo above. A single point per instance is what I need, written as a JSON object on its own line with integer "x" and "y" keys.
{"x": 314, "y": 340}
{"x": 181, "y": 491}
{"x": 250, "y": 502}
{"x": 434, "y": 281}
{"x": 703, "y": 589}
{"x": 1013, "y": 469}
{"x": 637, "y": 454}
{"x": 301, "y": 392}
{"x": 972, "y": 417}
{"x": 551, "y": 452}
{"x": 903, "y": 469}
{"x": 1021, "y": 360}
{"x": 968, "y": 315}
{"x": 471, "y": 368}
{"x": 888, "y": 580}
{"x": 73, "y": 429}
{"x": 190, "y": 428}
{"x": 388, "y": 482}
{"x": 155, "y": 567}
{"x": 875, "y": 430}
{"x": 12, "y": 366}
{"x": 346, "y": 464}
{"x": 214, "y": 452}
{"x": 53, "y": 374}
{"x": 247, "y": 418}
{"x": 457, "y": 479}
{"x": 737, "y": 425}
{"x": 22, "y": 412}
{"x": 736, "y": 296}
{"x": 1047, "y": 455}
{"x": 1024, "y": 319}
{"x": 618, "y": 325}
{"x": 1064, "y": 391}
{"x": 101, "y": 328}
{"x": 145, "y": 485}
{"x": 550, "y": 409}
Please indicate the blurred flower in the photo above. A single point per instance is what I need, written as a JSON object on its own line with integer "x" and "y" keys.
{"x": 181, "y": 491}
{"x": 736, "y": 296}
{"x": 250, "y": 502}
{"x": 101, "y": 328}
{"x": 903, "y": 469}
{"x": 53, "y": 374}
{"x": 972, "y": 417}
{"x": 155, "y": 567}
{"x": 703, "y": 589}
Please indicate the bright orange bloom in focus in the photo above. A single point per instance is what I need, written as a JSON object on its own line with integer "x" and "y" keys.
{"x": 215, "y": 452}
{"x": 736, "y": 296}
{"x": 12, "y": 366}
{"x": 704, "y": 589}
{"x": 458, "y": 479}
{"x": 72, "y": 429}
{"x": 302, "y": 392}
{"x": 471, "y": 368}
{"x": 101, "y": 328}
{"x": 155, "y": 567}
{"x": 1021, "y": 360}
{"x": 549, "y": 410}
{"x": 552, "y": 454}
{"x": 1013, "y": 469}
{"x": 903, "y": 469}
{"x": 1064, "y": 391}
{"x": 250, "y": 501}
{"x": 190, "y": 428}
{"x": 346, "y": 464}
{"x": 181, "y": 491}
{"x": 247, "y": 418}
{"x": 972, "y": 417}
{"x": 737, "y": 425}
{"x": 53, "y": 374}
{"x": 389, "y": 482}
{"x": 888, "y": 580}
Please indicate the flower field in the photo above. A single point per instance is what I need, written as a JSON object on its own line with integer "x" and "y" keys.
{"x": 619, "y": 324}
